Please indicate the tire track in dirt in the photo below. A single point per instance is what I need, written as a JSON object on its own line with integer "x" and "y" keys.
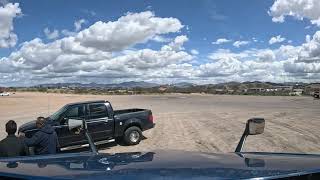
{"x": 287, "y": 135}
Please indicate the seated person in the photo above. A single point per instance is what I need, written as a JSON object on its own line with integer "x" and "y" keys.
{"x": 45, "y": 140}
{"x": 12, "y": 145}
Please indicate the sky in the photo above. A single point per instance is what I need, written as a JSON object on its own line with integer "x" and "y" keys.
{"x": 197, "y": 41}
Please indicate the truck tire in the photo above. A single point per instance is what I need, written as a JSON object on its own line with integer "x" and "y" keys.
{"x": 132, "y": 136}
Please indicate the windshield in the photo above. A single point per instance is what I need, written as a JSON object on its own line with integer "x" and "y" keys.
{"x": 181, "y": 75}
{"x": 58, "y": 113}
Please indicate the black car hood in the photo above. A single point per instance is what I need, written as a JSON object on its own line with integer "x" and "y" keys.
{"x": 27, "y": 126}
{"x": 161, "y": 165}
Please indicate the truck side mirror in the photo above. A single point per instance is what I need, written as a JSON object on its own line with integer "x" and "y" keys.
{"x": 74, "y": 124}
{"x": 254, "y": 126}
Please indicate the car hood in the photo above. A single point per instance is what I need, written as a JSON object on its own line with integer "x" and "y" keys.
{"x": 27, "y": 126}
{"x": 161, "y": 164}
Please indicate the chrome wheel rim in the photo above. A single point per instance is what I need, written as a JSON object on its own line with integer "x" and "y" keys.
{"x": 134, "y": 136}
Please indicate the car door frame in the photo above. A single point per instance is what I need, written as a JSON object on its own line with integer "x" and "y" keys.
{"x": 64, "y": 128}
{"x": 108, "y": 133}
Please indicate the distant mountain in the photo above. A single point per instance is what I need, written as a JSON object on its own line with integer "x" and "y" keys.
{"x": 142, "y": 84}
{"x": 130, "y": 84}
{"x": 183, "y": 84}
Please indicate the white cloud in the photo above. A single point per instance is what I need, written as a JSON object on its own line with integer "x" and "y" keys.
{"x": 68, "y": 33}
{"x": 240, "y": 43}
{"x": 221, "y": 41}
{"x": 78, "y": 24}
{"x": 7, "y": 14}
{"x": 127, "y": 31}
{"x": 158, "y": 38}
{"x": 177, "y": 44}
{"x": 77, "y": 27}
{"x": 51, "y": 34}
{"x": 254, "y": 39}
{"x": 106, "y": 52}
{"x": 79, "y": 58}
{"x": 194, "y": 52}
{"x": 310, "y": 50}
{"x": 300, "y": 9}
{"x": 276, "y": 39}
{"x": 226, "y": 54}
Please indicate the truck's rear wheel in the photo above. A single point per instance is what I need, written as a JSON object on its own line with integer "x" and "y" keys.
{"x": 132, "y": 135}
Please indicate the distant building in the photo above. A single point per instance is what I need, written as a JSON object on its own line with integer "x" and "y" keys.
{"x": 255, "y": 90}
{"x": 219, "y": 91}
{"x": 271, "y": 90}
{"x": 296, "y": 92}
{"x": 283, "y": 88}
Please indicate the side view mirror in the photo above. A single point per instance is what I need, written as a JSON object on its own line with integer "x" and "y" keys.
{"x": 76, "y": 123}
{"x": 254, "y": 126}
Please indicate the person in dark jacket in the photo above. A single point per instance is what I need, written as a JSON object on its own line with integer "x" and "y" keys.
{"x": 45, "y": 140}
{"x": 12, "y": 145}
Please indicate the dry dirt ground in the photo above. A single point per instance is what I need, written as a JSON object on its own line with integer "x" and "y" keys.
{"x": 206, "y": 123}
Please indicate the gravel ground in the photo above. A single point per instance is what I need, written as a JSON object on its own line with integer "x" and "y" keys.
{"x": 206, "y": 123}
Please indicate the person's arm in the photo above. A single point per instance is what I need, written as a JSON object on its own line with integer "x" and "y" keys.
{"x": 34, "y": 140}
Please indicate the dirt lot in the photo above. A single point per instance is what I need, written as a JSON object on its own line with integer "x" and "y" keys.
{"x": 207, "y": 123}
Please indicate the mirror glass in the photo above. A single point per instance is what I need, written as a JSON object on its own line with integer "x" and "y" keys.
{"x": 75, "y": 124}
{"x": 256, "y": 126}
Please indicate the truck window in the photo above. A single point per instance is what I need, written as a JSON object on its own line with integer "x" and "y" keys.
{"x": 98, "y": 111}
{"x": 75, "y": 112}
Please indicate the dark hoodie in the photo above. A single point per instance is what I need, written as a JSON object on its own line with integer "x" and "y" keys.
{"x": 45, "y": 141}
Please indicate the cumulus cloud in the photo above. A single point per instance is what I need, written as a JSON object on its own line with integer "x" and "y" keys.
{"x": 221, "y": 41}
{"x": 7, "y": 14}
{"x": 127, "y": 31}
{"x": 276, "y": 39}
{"x": 255, "y": 64}
{"x": 177, "y": 44}
{"x": 240, "y": 43}
{"x": 308, "y": 59}
{"x": 299, "y": 9}
{"x": 51, "y": 34}
{"x": 77, "y": 27}
{"x": 226, "y": 53}
{"x": 79, "y": 57}
{"x": 162, "y": 39}
{"x": 194, "y": 52}
{"x": 108, "y": 51}
{"x": 78, "y": 24}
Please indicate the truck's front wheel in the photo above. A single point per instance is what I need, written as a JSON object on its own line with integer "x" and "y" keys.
{"x": 132, "y": 135}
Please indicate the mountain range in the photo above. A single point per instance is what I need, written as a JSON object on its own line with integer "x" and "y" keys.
{"x": 143, "y": 84}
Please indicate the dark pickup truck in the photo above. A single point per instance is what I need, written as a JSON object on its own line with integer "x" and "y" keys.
{"x": 103, "y": 123}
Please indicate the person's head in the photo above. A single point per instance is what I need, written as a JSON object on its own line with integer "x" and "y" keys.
{"x": 40, "y": 122}
{"x": 11, "y": 127}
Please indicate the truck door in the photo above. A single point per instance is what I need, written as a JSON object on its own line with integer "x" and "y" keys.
{"x": 100, "y": 125}
{"x": 65, "y": 136}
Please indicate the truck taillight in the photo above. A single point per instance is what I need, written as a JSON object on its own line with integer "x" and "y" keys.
{"x": 150, "y": 118}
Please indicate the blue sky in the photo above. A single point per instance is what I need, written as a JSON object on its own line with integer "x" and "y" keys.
{"x": 203, "y": 21}
{"x": 239, "y": 20}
